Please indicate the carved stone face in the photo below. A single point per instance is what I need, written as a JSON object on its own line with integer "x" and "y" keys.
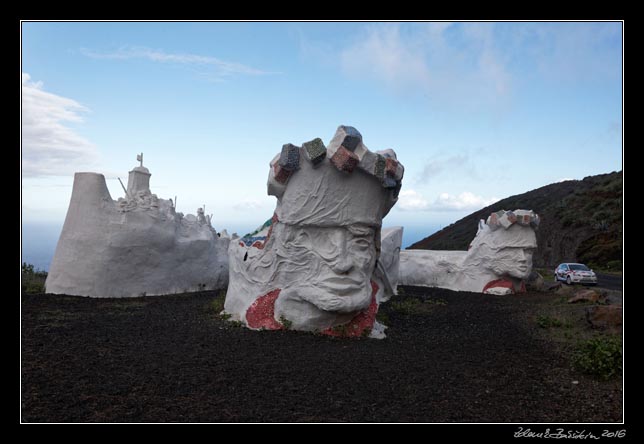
{"x": 316, "y": 267}
{"x": 328, "y": 267}
{"x": 507, "y": 252}
{"x": 513, "y": 261}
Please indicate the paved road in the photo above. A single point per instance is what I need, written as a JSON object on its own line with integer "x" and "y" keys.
{"x": 609, "y": 281}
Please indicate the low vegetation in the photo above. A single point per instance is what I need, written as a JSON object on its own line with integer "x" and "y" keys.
{"x": 413, "y": 306}
{"x": 32, "y": 280}
{"x": 545, "y": 321}
{"x": 216, "y": 305}
{"x": 600, "y": 356}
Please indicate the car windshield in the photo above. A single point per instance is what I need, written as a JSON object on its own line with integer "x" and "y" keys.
{"x": 579, "y": 267}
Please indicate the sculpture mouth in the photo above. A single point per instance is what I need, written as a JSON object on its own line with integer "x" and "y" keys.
{"x": 342, "y": 285}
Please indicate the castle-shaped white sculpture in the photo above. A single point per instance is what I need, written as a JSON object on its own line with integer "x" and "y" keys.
{"x": 135, "y": 246}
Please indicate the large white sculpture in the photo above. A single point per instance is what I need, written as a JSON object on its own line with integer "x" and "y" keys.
{"x": 135, "y": 246}
{"x": 498, "y": 261}
{"x": 314, "y": 266}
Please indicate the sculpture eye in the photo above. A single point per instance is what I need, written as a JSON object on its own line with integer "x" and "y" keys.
{"x": 362, "y": 243}
{"x": 302, "y": 237}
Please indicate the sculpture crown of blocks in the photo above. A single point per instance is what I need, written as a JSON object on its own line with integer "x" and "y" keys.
{"x": 314, "y": 265}
{"x": 341, "y": 185}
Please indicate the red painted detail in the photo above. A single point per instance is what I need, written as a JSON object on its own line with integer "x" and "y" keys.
{"x": 261, "y": 313}
{"x": 274, "y": 220}
{"x": 262, "y": 244}
{"x": 281, "y": 174}
{"x": 360, "y": 322}
{"x": 505, "y": 283}
{"x": 494, "y": 219}
{"x": 390, "y": 166}
{"x": 522, "y": 289}
{"x": 344, "y": 160}
{"x": 241, "y": 244}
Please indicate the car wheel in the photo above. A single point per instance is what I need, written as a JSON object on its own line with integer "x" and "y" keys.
{"x": 568, "y": 280}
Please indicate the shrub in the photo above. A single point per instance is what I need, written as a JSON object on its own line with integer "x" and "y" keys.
{"x": 286, "y": 323}
{"x": 217, "y": 304}
{"x": 382, "y": 317}
{"x": 548, "y": 321}
{"x": 33, "y": 280}
{"x": 406, "y": 306}
{"x": 601, "y": 357}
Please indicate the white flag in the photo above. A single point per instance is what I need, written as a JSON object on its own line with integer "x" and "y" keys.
{"x": 138, "y": 158}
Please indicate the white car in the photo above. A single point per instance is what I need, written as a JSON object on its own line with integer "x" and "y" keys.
{"x": 575, "y": 274}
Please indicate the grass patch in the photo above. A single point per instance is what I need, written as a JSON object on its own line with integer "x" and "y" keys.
{"x": 32, "y": 280}
{"x": 57, "y": 318}
{"x": 216, "y": 305}
{"x": 286, "y": 323}
{"x": 407, "y": 306}
{"x": 545, "y": 321}
{"x": 382, "y": 316}
{"x": 436, "y": 301}
{"x": 600, "y": 357}
{"x": 416, "y": 306}
{"x": 546, "y": 273}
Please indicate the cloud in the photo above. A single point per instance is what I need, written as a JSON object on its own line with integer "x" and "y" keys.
{"x": 441, "y": 164}
{"x": 463, "y": 201}
{"x": 248, "y": 204}
{"x": 49, "y": 147}
{"x": 472, "y": 65}
{"x": 446, "y": 62}
{"x": 574, "y": 52}
{"x": 410, "y": 200}
{"x": 221, "y": 68}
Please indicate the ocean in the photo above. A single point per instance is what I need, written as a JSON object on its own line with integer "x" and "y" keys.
{"x": 39, "y": 241}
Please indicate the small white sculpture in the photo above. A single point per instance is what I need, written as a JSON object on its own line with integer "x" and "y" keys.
{"x": 389, "y": 260}
{"x": 313, "y": 266}
{"x": 498, "y": 261}
{"x": 135, "y": 246}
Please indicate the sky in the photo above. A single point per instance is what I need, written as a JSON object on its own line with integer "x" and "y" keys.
{"x": 476, "y": 111}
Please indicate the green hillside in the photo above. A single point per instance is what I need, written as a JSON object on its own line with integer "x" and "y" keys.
{"x": 581, "y": 220}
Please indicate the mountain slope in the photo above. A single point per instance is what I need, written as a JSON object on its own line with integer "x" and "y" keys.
{"x": 581, "y": 220}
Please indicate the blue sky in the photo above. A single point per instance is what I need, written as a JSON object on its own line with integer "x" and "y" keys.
{"x": 475, "y": 111}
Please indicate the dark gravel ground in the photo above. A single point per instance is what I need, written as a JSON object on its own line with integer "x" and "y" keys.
{"x": 458, "y": 357}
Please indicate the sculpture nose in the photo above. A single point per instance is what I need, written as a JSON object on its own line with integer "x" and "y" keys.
{"x": 343, "y": 265}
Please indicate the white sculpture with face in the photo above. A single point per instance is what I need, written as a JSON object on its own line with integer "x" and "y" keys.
{"x": 316, "y": 267}
{"x": 498, "y": 260}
